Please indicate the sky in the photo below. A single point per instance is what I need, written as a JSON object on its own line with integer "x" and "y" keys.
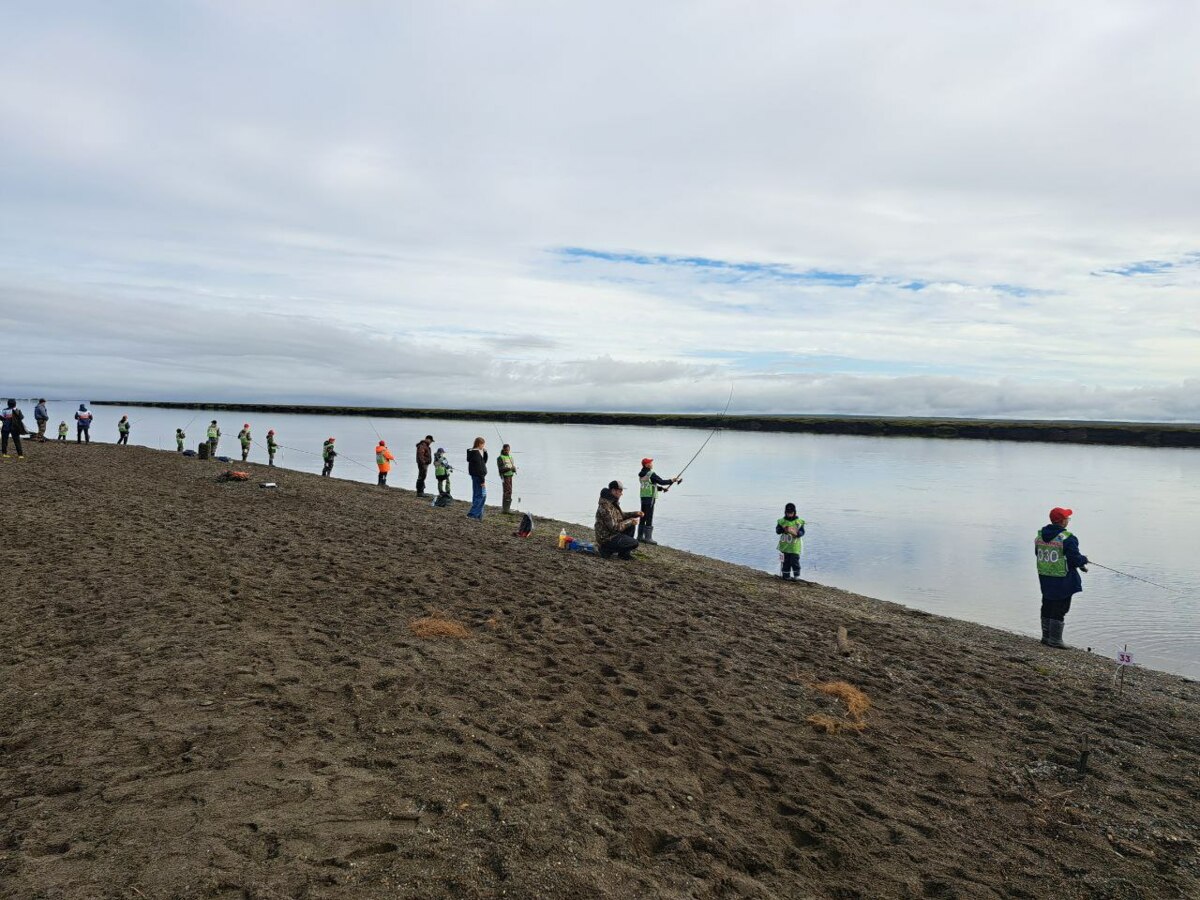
{"x": 929, "y": 208}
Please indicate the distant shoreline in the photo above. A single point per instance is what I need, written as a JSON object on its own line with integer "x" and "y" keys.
{"x": 1133, "y": 434}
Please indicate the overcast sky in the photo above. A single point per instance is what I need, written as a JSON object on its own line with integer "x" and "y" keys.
{"x": 901, "y": 208}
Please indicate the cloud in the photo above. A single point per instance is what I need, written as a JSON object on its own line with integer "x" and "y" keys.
{"x": 578, "y": 205}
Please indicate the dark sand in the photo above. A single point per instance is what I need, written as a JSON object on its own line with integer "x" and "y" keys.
{"x": 212, "y": 690}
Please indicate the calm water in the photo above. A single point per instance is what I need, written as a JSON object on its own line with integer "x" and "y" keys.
{"x": 944, "y": 526}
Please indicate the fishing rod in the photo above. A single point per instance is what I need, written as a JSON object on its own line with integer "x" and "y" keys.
{"x": 711, "y": 435}
{"x": 1092, "y": 562}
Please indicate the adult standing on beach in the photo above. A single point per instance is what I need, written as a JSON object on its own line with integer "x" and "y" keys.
{"x": 649, "y": 484}
{"x": 506, "y": 468}
{"x": 271, "y": 448}
{"x": 214, "y": 438}
{"x": 328, "y": 454}
{"x": 1059, "y": 563}
{"x": 244, "y": 440}
{"x": 424, "y": 458}
{"x": 477, "y": 459}
{"x": 12, "y": 426}
{"x": 383, "y": 459}
{"x": 123, "y": 430}
{"x": 614, "y": 527}
{"x": 42, "y": 417}
{"x": 83, "y": 424}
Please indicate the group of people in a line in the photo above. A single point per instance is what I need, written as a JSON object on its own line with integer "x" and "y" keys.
{"x": 13, "y": 428}
{"x": 618, "y": 533}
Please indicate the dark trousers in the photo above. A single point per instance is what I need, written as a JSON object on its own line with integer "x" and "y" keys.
{"x": 382, "y": 478}
{"x": 648, "y": 509}
{"x": 790, "y": 565}
{"x": 16, "y": 439}
{"x": 62, "y": 437}
{"x": 212, "y": 447}
{"x": 124, "y": 438}
{"x": 245, "y": 451}
{"x": 622, "y": 545}
{"x": 507, "y": 482}
{"x": 1055, "y": 608}
{"x": 422, "y": 471}
{"x": 327, "y": 469}
{"x": 444, "y": 486}
{"x": 83, "y": 434}
{"x": 271, "y": 458}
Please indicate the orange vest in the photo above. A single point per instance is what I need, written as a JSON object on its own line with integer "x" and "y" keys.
{"x": 383, "y": 457}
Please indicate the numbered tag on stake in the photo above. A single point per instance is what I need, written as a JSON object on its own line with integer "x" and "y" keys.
{"x": 1124, "y": 658}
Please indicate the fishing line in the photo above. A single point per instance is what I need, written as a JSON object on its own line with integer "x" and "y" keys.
{"x": 711, "y": 435}
{"x": 1092, "y": 562}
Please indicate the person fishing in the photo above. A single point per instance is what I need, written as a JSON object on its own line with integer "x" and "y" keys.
{"x": 424, "y": 458}
{"x": 42, "y": 417}
{"x": 12, "y": 426}
{"x": 383, "y": 459}
{"x": 244, "y": 439}
{"x": 1059, "y": 563}
{"x": 62, "y": 431}
{"x": 328, "y": 454}
{"x": 791, "y": 542}
{"x": 83, "y": 425}
{"x": 123, "y": 430}
{"x": 506, "y": 468}
{"x": 441, "y": 471}
{"x": 614, "y": 527}
{"x": 180, "y": 437}
{"x": 477, "y": 459}
{"x": 271, "y": 447}
{"x": 650, "y": 484}
{"x": 214, "y": 438}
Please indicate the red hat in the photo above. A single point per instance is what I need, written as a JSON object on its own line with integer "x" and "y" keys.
{"x": 245, "y": 424}
{"x": 1058, "y": 514}
{"x": 382, "y": 442}
{"x": 333, "y": 439}
{"x": 647, "y": 460}
{"x": 272, "y": 431}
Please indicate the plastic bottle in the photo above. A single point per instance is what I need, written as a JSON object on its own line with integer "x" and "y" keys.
{"x": 562, "y": 539}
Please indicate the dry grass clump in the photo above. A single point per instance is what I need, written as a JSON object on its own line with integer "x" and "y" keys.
{"x": 438, "y": 627}
{"x": 857, "y": 704}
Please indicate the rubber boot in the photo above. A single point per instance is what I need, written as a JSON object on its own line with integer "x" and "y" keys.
{"x": 1045, "y": 631}
{"x": 648, "y": 536}
{"x": 1056, "y": 635}
{"x": 507, "y": 510}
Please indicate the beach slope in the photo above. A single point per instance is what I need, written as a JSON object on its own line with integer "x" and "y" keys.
{"x": 211, "y": 689}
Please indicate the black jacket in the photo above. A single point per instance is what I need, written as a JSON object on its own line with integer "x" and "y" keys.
{"x": 477, "y": 463}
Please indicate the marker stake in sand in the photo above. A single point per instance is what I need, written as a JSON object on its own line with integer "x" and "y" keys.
{"x": 1124, "y": 661}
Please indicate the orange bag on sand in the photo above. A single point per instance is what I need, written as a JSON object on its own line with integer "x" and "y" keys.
{"x": 234, "y": 476}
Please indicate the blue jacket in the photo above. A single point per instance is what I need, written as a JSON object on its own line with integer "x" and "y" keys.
{"x": 40, "y": 414}
{"x": 1071, "y": 583}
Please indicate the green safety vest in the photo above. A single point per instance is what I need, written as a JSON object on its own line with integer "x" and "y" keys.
{"x": 213, "y": 432}
{"x": 380, "y": 457}
{"x": 123, "y": 427}
{"x": 325, "y": 451}
{"x": 62, "y": 427}
{"x": 648, "y": 488}
{"x": 787, "y": 543}
{"x": 271, "y": 445}
{"x": 505, "y": 464}
{"x": 244, "y": 437}
{"x": 439, "y": 467}
{"x": 179, "y": 437}
{"x": 1051, "y": 557}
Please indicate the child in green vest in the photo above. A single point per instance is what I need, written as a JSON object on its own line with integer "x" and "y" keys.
{"x": 244, "y": 439}
{"x": 442, "y": 470}
{"x": 271, "y": 447}
{"x": 180, "y": 437}
{"x": 62, "y": 431}
{"x": 791, "y": 532}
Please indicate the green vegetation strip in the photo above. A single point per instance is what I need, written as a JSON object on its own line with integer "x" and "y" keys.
{"x": 1137, "y": 434}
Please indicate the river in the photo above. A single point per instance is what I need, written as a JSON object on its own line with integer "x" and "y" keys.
{"x": 944, "y": 526}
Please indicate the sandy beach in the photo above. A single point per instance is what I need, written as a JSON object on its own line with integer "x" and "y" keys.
{"x": 211, "y": 689}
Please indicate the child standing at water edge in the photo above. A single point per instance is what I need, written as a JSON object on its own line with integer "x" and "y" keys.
{"x": 442, "y": 470}
{"x": 62, "y": 431}
{"x": 123, "y": 430}
{"x": 180, "y": 437}
{"x": 791, "y": 533}
{"x": 271, "y": 447}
